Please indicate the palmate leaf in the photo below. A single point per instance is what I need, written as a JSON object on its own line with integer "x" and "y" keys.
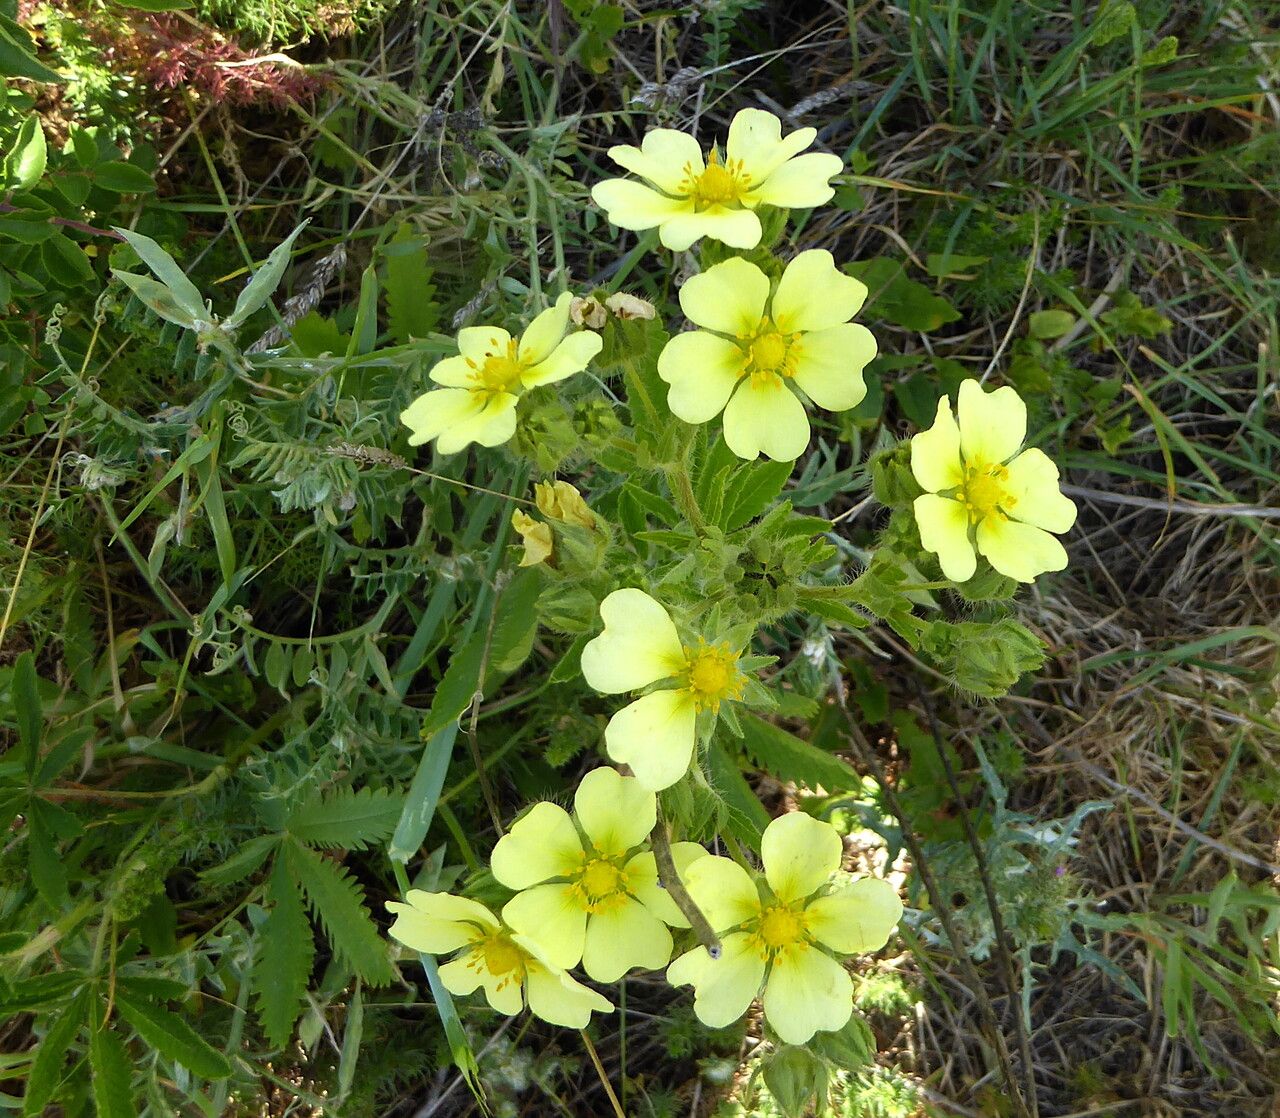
{"x": 171, "y": 1036}
{"x": 111, "y": 1074}
{"x": 337, "y": 900}
{"x": 284, "y": 965}
{"x": 51, "y": 1056}
{"x": 346, "y": 819}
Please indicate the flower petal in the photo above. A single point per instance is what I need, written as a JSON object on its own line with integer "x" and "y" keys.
{"x": 800, "y": 854}
{"x": 655, "y": 735}
{"x": 437, "y": 411}
{"x": 479, "y": 342}
{"x": 724, "y": 988}
{"x": 624, "y": 937}
{"x": 571, "y": 356}
{"x": 504, "y": 994}
{"x": 756, "y": 140}
{"x": 829, "y": 364}
{"x": 454, "y": 372}
{"x": 493, "y": 426}
{"x": 723, "y": 890}
{"x": 1038, "y": 500}
{"x": 665, "y": 157}
{"x": 543, "y": 843}
{"x": 560, "y": 999}
{"x": 543, "y": 334}
{"x": 459, "y": 977}
{"x": 944, "y": 530}
{"x": 814, "y": 294}
{"x": 642, "y": 881}
{"x": 632, "y": 205}
{"x": 702, "y": 370}
{"x": 799, "y": 183}
{"x": 935, "y": 453}
{"x": 728, "y": 297}
{"x": 765, "y": 417}
{"x": 552, "y": 916}
{"x": 807, "y": 992}
{"x": 616, "y": 813}
{"x": 992, "y": 424}
{"x": 735, "y": 228}
{"x": 429, "y": 932}
{"x": 860, "y": 917}
{"x": 639, "y": 644}
{"x": 1018, "y": 550}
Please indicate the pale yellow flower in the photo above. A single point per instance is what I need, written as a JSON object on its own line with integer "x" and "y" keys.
{"x": 481, "y": 386}
{"x": 656, "y": 734}
{"x": 535, "y": 536}
{"x": 558, "y": 500}
{"x": 985, "y": 495}
{"x": 760, "y": 356}
{"x": 784, "y": 932}
{"x": 512, "y": 968}
{"x": 588, "y": 889}
{"x": 690, "y": 198}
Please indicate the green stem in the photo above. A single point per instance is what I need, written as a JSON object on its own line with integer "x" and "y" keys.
{"x": 682, "y": 491}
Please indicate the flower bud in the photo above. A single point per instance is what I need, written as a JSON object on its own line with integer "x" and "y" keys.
{"x": 587, "y": 312}
{"x": 536, "y": 537}
{"x": 561, "y": 501}
{"x": 630, "y": 306}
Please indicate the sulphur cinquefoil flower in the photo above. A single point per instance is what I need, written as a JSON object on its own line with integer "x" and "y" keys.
{"x": 758, "y": 357}
{"x": 482, "y": 384}
{"x": 784, "y": 932}
{"x": 512, "y": 968}
{"x": 588, "y": 889}
{"x": 656, "y": 734}
{"x": 985, "y": 495}
{"x": 691, "y": 198}
{"x": 535, "y": 537}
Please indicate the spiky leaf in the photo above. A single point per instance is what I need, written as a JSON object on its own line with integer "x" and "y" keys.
{"x": 346, "y": 819}
{"x": 284, "y": 964}
{"x": 111, "y": 1074}
{"x": 171, "y": 1036}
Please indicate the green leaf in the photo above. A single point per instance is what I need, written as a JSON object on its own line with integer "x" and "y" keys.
{"x": 112, "y": 1076}
{"x": 787, "y": 757}
{"x": 264, "y": 282}
{"x": 346, "y": 819}
{"x": 167, "y": 271}
{"x": 242, "y": 863}
{"x": 424, "y": 794}
{"x": 17, "y": 59}
{"x": 47, "y": 870}
{"x": 284, "y": 964}
{"x": 25, "y": 164}
{"x": 745, "y": 816}
{"x": 26, "y": 706}
{"x": 794, "y": 1079}
{"x": 940, "y": 264}
{"x": 171, "y": 1036}
{"x": 751, "y": 491}
{"x": 156, "y": 296}
{"x": 65, "y": 261}
{"x": 1050, "y": 324}
{"x": 25, "y": 230}
{"x": 364, "y": 331}
{"x": 51, "y": 1056}
{"x": 412, "y": 309}
{"x": 337, "y": 900}
{"x": 123, "y": 178}
{"x": 157, "y": 5}
{"x": 899, "y": 300}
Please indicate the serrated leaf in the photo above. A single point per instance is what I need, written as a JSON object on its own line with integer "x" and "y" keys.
{"x": 16, "y": 57}
{"x": 112, "y": 1078}
{"x": 745, "y": 816}
{"x": 337, "y": 900}
{"x": 751, "y": 491}
{"x": 30, "y": 155}
{"x": 242, "y": 863}
{"x": 47, "y": 871}
{"x": 789, "y": 758}
{"x": 26, "y": 708}
{"x": 172, "y": 1037}
{"x": 51, "y": 1055}
{"x": 284, "y": 963}
{"x": 264, "y": 282}
{"x": 412, "y": 309}
{"x": 166, "y": 269}
{"x": 346, "y": 818}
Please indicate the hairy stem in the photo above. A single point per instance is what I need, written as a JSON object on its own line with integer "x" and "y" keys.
{"x": 661, "y": 843}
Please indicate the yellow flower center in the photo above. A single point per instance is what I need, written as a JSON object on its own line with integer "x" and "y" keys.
{"x": 601, "y": 885}
{"x": 713, "y": 675}
{"x": 500, "y": 957}
{"x": 985, "y": 491}
{"x": 501, "y": 369}
{"x": 769, "y": 351}
{"x": 779, "y": 929}
{"x": 719, "y": 184}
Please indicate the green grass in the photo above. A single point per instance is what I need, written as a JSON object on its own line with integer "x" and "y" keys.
{"x": 242, "y": 606}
